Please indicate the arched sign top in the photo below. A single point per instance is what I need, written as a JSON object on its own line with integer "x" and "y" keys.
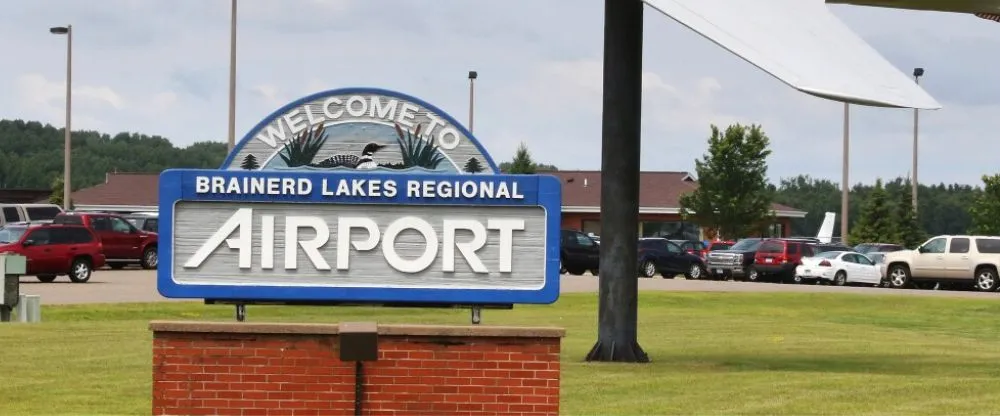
{"x": 368, "y": 129}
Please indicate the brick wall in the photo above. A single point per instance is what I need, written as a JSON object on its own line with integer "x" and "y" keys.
{"x": 294, "y": 369}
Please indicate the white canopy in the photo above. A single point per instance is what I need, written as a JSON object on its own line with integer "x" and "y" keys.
{"x": 802, "y": 44}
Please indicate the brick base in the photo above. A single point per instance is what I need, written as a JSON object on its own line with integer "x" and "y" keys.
{"x": 232, "y": 368}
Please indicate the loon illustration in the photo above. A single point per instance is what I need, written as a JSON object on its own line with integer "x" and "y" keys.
{"x": 366, "y": 161}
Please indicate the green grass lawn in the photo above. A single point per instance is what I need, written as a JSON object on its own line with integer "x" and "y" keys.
{"x": 713, "y": 353}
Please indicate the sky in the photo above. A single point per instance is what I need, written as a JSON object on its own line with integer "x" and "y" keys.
{"x": 161, "y": 67}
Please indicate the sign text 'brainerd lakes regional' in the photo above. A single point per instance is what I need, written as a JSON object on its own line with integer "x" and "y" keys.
{"x": 360, "y": 196}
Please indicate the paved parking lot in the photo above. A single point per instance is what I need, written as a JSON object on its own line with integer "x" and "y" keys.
{"x": 118, "y": 286}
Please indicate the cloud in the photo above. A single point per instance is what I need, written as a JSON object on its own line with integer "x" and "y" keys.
{"x": 540, "y": 77}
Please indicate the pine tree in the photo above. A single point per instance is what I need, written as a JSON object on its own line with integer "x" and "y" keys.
{"x": 909, "y": 232}
{"x": 875, "y": 223}
{"x": 522, "y": 163}
{"x": 250, "y": 163}
{"x": 473, "y": 166}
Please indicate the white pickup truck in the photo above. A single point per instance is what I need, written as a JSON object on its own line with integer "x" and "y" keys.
{"x": 961, "y": 259}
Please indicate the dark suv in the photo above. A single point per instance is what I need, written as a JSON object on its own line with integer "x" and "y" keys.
{"x": 659, "y": 255}
{"x": 123, "y": 243}
{"x": 578, "y": 253}
{"x": 54, "y": 250}
{"x": 865, "y": 248}
{"x": 777, "y": 258}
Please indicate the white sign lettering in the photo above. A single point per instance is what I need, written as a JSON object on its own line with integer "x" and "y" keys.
{"x": 372, "y": 188}
{"x": 372, "y": 107}
{"x": 241, "y": 222}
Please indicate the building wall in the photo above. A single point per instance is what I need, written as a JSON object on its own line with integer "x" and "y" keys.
{"x": 651, "y": 224}
{"x": 239, "y": 368}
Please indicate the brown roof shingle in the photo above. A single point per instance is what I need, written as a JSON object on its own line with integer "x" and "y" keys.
{"x": 582, "y": 188}
{"x": 131, "y": 189}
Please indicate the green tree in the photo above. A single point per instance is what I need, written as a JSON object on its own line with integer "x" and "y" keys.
{"x": 875, "y": 223}
{"x": 57, "y": 192}
{"x": 908, "y": 231}
{"x": 522, "y": 163}
{"x": 733, "y": 195}
{"x": 985, "y": 209}
{"x": 814, "y": 196}
{"x": 472, "y": 166}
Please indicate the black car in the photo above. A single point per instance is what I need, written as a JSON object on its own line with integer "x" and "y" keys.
{"x": 578, "y": 253}
{"x": 659, "y": 255}
{"x": 733, "y": 263}
{"x": 877, "y": 247}
{"x": 817, "y": 248}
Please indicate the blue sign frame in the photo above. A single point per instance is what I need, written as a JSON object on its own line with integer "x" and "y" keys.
{"x": 539, "y": 190}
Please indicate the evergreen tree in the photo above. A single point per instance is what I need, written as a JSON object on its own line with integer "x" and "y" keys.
{"x": 908, "y": 230}
{"x": 522, "y": 163}
{"x": 875, "y": 223}
{"x": 57, "y": 193}
{"x": 473, "y": 166}
{"x": 733, "y": 194}
{"x": 250, "y": 163}
{"x": 985, "y": 209}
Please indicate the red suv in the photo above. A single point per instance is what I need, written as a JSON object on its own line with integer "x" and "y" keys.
{"x": 777, "y": 258}
{"x": 53, "y": 250}
{"x": 123, "y": 243}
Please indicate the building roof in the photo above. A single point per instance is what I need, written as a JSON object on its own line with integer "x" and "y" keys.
{"x": 24, "y": 196}
{"x": 581, "y": 192}
{"x": 121, "y": 191}
{"x": 661, "y": 192}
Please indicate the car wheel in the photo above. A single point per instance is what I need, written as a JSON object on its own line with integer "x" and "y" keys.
{"x": 840, "y": 279}
{"x": 899, "y": 277}
{"x": 149, "y": 258}
{"x": 46, "y": 278}
{"x": 695, "y": 272}
{"x": 647, "y": 269}
{"x": 80, "y": 271}
{"x": 986, "y": 279}
{"x": 797, "y": 279}
{"x": 753, "y": 275}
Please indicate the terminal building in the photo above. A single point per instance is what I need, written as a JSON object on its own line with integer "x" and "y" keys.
{"x": 659, "y": 206}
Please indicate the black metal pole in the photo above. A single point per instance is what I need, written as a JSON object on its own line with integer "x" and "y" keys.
{"x": 359, "y": 383}
{"x": 617, "y": 333}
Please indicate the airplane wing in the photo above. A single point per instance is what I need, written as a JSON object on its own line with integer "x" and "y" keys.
{"x": 954, "y": 6}
{"x": 801, "y": 43}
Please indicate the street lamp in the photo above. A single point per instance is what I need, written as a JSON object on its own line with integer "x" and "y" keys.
{"x": 232, "y": 77}
{"x": 845, "y": 187}
{"x": 67, "y": 181}
{"x": 472, "y": 94}
{"x": 917, "y": 73}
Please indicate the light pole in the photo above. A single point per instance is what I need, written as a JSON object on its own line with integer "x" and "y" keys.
{"x": 67, "y": 180}
{"x": 232, "y": 78}
{"x": 917, "y": 73}
{"x": 845, "y": 187}
{"x": 472, "y": 95}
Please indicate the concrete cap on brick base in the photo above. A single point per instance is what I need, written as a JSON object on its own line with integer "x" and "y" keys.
{"x": 333, "y": 329}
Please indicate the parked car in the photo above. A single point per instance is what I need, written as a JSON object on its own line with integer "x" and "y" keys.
{"x": 777, "y": 258}
{"x": 124, "y": 244}
{"x": 947, "y": 260}
{"x": 146, "y": 221}
{"x": 734, "y": 262}
{"x": 840, "y": 268}
{"x": 54, "y": 250}
{"x": 866, "y": 248}
{"x": 578, "y": 253}
{"x": 823, "y": 247}
{"x": 720, "y": 245}
{"x": 35, "y": 213}
{"x": 879, "y": 258}
{"x": 660, "y": 255}
{"x": 695, "y": 247}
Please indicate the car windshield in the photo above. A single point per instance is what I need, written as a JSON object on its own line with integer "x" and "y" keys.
{"x": 11, "y": 234}
{"x": 864, "y": 248}
{"x": 748, "y": 244}
{"x": 876, "y": 257}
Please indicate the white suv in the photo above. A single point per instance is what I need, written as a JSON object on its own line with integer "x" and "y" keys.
{"x": 947, "y": 259}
